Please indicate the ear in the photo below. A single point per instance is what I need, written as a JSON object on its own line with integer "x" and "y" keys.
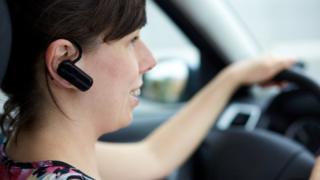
{"x": 57, "y": 52}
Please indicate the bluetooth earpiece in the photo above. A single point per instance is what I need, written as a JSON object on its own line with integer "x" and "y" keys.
{"x": 74, "y": 75}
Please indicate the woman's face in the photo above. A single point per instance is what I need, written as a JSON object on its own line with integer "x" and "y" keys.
{"x": 116, "y": 68}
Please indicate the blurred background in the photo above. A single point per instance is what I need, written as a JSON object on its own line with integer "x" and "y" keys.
{"x": 286, "y": 28}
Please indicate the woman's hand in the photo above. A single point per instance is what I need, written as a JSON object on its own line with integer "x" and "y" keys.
{"x": 259, "y": 70}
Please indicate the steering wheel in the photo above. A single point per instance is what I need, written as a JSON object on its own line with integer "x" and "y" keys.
{"x": 297, "y": 77}
{"x": 259, "y": 154}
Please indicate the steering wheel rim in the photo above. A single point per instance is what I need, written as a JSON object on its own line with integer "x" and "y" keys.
{"x": 299, "y": 78}
{"x": 292, "y": 160}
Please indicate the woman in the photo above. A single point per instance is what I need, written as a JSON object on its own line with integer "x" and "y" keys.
{"x": 75, "y": 73}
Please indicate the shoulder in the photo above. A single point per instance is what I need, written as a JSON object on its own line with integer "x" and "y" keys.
{"x": 41, "y": 170}
{"x": 59, "y": 171}
{"x": 52, "y": 176}
{"x": 41, "y": 173}
{"x": 44, "y": 170}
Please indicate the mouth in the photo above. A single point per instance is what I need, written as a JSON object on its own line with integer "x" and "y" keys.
{"x": 135, "y": 92}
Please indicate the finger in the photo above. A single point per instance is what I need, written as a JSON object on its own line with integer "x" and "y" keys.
{"x": 284, "y": 84}
{"x": 266, "y": 84}
{"x": 285, "y": 64}
{"x": 281, "y": 84}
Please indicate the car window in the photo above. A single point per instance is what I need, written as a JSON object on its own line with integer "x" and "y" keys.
{"x": 175, "y": 56}
{"x": 287, "y": 27}
{"x": 3, "y": 99}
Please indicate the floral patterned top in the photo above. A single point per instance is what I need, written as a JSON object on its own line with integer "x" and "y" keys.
{"x": 42, "y": 170}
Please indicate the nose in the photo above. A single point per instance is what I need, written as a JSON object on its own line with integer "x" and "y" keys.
{"x": 146, "y": 59}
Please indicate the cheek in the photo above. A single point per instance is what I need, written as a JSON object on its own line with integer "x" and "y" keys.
{"x": 109, "y": 78}
{"x": 119, "y": 66}
{"x": 114, "y": 77}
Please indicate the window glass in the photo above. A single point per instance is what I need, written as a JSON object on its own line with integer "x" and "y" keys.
{"x": 3, "y": 99}
{"x": 174, "y": 53}
{"x": 287, "y": 27}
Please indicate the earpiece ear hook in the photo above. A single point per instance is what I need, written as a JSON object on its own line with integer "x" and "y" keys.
{"x": 77, "y": 45}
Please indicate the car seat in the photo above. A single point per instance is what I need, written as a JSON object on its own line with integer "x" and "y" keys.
{"x": 5, "y": 37}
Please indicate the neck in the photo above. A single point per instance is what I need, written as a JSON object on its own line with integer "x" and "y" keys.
{"x": 58, "y": 138}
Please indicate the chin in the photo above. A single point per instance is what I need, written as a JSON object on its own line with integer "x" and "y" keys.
{"x": 126, "y": 123}
{"x": 122, "y": 123}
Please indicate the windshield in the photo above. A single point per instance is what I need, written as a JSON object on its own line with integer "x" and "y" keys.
{"x": 287, "y": 27}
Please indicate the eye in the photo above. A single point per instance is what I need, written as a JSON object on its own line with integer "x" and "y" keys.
{"x": 135, "y": 39}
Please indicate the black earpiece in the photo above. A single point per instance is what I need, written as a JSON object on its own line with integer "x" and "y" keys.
{"x": 74, "y": 75}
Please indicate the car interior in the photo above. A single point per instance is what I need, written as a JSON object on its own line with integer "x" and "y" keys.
{"x": 271, "y": 137}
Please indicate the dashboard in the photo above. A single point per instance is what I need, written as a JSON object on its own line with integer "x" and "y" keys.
{"x": 293, "y": 113}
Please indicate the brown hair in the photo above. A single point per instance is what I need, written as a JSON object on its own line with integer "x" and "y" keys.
{"x": 36, "y": 23}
